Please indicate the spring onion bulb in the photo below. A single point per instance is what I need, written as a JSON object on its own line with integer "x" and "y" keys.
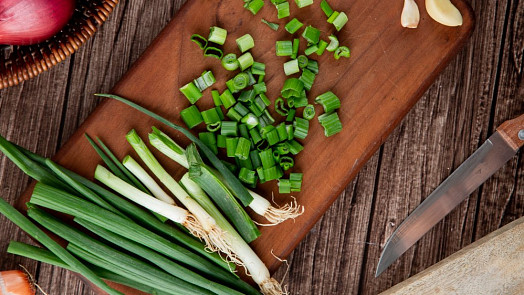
{"x": 214, "y": 239}
{"x": 147, "y": 180}
{"x": 246, "y": 257}
{"x": 259, "y": 204}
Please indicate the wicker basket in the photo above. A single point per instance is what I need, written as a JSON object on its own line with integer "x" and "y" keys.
{"x": 20, "y": 63}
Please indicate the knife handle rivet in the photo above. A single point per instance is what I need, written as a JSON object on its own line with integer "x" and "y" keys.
{"x": 521, "y": 134}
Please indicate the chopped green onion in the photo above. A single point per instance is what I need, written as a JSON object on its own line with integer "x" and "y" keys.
{"x": 210, "y": 116}
{"x": 229, "y": 128}
{"x": 230, "y": 62}
{"x": 280, "y": 107}
{"x": 264, "y": 99}
{"x": 214, "y": 127}
{"x": 281, "y": 131}
{"x": 291, "y": 67}
{"x": 267, "y": 116}
{"x": 246, "y": 42}
{"x": 267, "y": 159}
{"x": 231, "y": 146}
{"x": 308, "y": 78}
{"x": 332, "y": 17}
{"x": 301, "y": 127}
{"x": 292, "y": 87}
{"x": 286, "y": 163}
{"x": 311, "y": 34}
{"x": 199, "y": 40}
{"x": 221, "y": 141}
{"x": 293, "y": 26}
{"x": 191, "y": 116}
{"x": 290, "y": 133}
{"x": 240, "y": 81}
{"x": 241, "y": 109}
{"x": 217, "y": 35}
{"x": 209, "y": 139}
{"x": 260, "y": 88}
{"x": 331, "y": 123}
{"x": 329, "y": 101}
{"x": 322, "y": 45}
{"x": 245, "y": 61}
{"x": 284, "y": 186}
{"x": 342, "y": 51}
{"x": 301, "y": 101}
{"x": 246, "y": 97}
{"x": 227, "y": 99}
{"x": 242, "y": 149}
{"x": 30, "y": 228}
{"x": 282, "y": 9}
{"x": 291, "y": 115}
{"x": 311, "y": 49}
{"x": 333, "y": 44}
{"x": 234, "y": 115}
{"x": 296, "y": 46}
{"x": 209, "y": 79}
{"x": 258, "y": 68}
{"x": 272, "y": 137}
{"x": 219, "y": 112}
{"x": 191, "y": 92}
{"x": 216, "y": 97}
{"x": 271, "y": 25}
{"x": 260, "y": 174}
{"x": 303, "y": 3}
{"x": 284, "y": 48}
{"x": 296, "y": 181}
{"x": 243, "y": 130}
{"x": 250, "y": 120}
{"x": 295, "y": 147}
{"x": 254, "y": 6}
{"x": 273, "y": 173}
{"x": 302, "y": 61}
{"x": 255, "y": 135}
{"x": 309, "y": 112}
{"x": 213, "y": 52}
{"x": 312, "y": 65}
{"x": 326, "y": 8}
{"x": 340, "y": 21}
{"x": 255, "y": 158}
{"x": 247, "y": 176}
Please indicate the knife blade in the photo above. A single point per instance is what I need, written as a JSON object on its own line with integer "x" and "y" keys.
{"x": 485, "y": 161}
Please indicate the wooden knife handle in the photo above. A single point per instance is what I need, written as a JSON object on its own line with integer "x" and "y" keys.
{"x": 513, "y": 132}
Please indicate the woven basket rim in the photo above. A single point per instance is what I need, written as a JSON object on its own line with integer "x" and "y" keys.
{"x": 26, "y": 62}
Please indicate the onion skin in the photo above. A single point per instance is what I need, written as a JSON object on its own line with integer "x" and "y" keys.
{"x": 16, "y": 282}
{"x": 26, "y": 22}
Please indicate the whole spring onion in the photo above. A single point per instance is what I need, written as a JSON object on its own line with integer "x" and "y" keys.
{"x": 259, "y": 204}
{"x": 30, "y": 228}
{"x": 128, "y": 208}
{"x": 255, "y": 268}
{"x": 26, "y": 22}
{"x": 213, "y": 234}
{"x": 52, "y": 198}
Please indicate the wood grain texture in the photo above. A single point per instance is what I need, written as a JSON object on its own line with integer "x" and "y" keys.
{"x": 480, "y": 89}
{"x": 491, "y": 265}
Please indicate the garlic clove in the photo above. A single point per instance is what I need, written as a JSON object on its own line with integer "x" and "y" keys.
{"x": 410, "y": 14}
{"x": 444, "y": 12}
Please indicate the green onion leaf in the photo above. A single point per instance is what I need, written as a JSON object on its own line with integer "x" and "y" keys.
{"x": 322, "y": 45}
{"x": 333, "y": 44}
{"x": 271, "y": 25}
{"x": 284, "y": 186}
{"x": 331, "y": 123}
{"x": 254, "y": 6}
{"x": 340, "y": 21}
{"x": 303, "y": 3}
{"x": 296, "y": 46}
{"x": 227, "y": 99}
{"x": 229, "y": 128}
{"x": 209, "y": 140}
{"x": 309, "y": 112}
{"x": 282, "y": 9}
{"x": 301, "y": 127}
{"x": 213, "y": 52}
{"x": 329, "y": 101}
{"x": 311, "y": 49}
{"x": 245, "y": 61}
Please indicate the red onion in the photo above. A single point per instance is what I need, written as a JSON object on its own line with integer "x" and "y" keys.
{"x": 25, "y": 22}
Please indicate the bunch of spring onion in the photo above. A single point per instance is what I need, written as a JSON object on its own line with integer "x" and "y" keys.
{"x": 164, "y": 259}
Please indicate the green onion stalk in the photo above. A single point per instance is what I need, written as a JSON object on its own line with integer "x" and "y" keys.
{"x": 212, "y": 236}
{"x": 259, "y": 204}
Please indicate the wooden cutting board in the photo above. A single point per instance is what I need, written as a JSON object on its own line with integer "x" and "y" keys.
{"x": 491, "y": 265}
{"x": 389, "y": 70}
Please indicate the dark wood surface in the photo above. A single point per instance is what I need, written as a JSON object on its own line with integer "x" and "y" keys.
{"x": 480, "y": 89}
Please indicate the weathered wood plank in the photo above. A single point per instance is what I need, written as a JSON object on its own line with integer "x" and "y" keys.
{"x": 329, "y": 261}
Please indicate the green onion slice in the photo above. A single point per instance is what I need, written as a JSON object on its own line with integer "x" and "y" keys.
{"x": 282, "y": 9}
{"x": 342, "y": 51}
{"x": 191, "y": 116}
{"x": 309, "y": 112}
{"x": 293, "y": 26}
{"x": 213, "y": 52}
{"x": 217, "y": 35}
{"x": 328, "y": 11}
{"x": 284, "y": 48}
{"x": 230, "y": 62}
{"x": 245, "y": 61}
{"x": 291, "y": 67}
{"x": 191, "y": 92}
{"x": 311, "y": 34}
{"x": 199, "y": 40}
{"x": 245, "y": 42}
{"x": 271, "y": 25}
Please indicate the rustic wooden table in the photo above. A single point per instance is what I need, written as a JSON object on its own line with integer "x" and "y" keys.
{"x": 480, "y": 89}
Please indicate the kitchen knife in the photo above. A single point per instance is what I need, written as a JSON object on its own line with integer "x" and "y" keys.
{"x": 493, "y": 154}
